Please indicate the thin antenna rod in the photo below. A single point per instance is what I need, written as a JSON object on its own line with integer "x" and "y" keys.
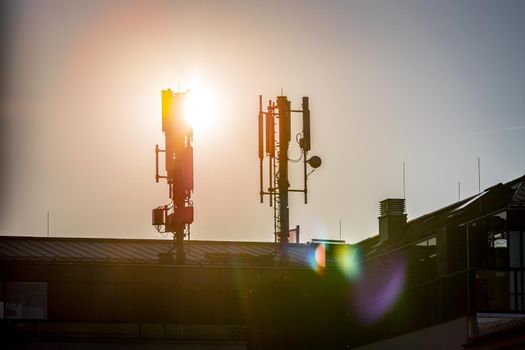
{"x": 459, "y": 191}
{"x": 479, "y": 175}
{"x": 48, "y": 223}
{"x": 404, "y": 188}
{"x": 340, "y": 230}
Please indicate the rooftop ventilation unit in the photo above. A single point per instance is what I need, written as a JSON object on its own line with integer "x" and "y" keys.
{"x": 392, "y": 206}
{"x": 392, "y": 218}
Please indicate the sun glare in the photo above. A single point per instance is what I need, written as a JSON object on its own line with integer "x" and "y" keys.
{"x": 199, "y": 108}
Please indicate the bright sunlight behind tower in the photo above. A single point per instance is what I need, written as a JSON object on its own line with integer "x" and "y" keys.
{"x": 199, "y": 108}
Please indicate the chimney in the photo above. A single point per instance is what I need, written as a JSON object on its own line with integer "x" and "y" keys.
{"x": 392, "y": 218}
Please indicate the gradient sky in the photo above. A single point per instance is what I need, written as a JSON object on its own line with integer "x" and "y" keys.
{"x": 434, "y": 84}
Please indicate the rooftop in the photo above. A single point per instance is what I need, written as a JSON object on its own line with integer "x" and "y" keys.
{"x": 146, "y": 251}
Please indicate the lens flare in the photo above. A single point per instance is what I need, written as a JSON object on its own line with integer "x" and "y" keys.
{"x": 376, "y": 293}
{"x": 348, "y": 261}
{"x": 317, "y": 258}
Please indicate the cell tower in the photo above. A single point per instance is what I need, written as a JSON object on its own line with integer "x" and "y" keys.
{"x": 176, "y": 216}
{"x": 274, "y": 140}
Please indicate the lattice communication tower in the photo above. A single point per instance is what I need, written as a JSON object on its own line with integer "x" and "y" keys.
{"x": 275, "y": 124}
{"x": 176, "y": 216}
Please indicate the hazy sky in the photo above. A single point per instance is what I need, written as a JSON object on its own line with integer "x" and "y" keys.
{"x": 434, "y": 84}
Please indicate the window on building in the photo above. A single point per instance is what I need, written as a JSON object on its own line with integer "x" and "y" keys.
{"x": 517, "y": 249}
{"x": 497, "y": 239}
{"x": 26, "y": 300}
{"x": 422, "y": 261}
{"x": 488, "y": 242}
{"x": 517, "y": 290}
{"x": 517, "y": 262}
{"x": 2, "y": 300}
{"x": 492, "y": 290}
{"x": 428, "y": 242}
{"x": 426, "y": 249}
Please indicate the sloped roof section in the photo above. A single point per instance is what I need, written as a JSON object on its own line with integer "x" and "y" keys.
{"x": 497, "y": 197}
{"x": 97, "y": 250}
{"x": 493, "y": 199}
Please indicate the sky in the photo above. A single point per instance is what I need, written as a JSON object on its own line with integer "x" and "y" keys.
{"x": 432, "y": 84}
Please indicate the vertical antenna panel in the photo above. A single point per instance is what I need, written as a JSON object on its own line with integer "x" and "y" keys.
{"x": 168, "y": 157}
{"x": 270, "y": 133}
{"x": 284, "y": 120}
{"x": 179, "y": 187}
{"x": 261, "y": 131}
{"x": 167, "y": 113}
{"x": 306, "y": 124}
{"x": 179, "y": 125}
{"x": 187, "y": 167}
{"x": 261, "y": 149}
{"x": 289, "y": 120}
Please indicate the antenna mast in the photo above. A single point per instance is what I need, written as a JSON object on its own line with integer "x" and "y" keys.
{"x": 176, "y": 216}
{"x": 404, "y": 187}
{"x": 274, "y": 144}
{"x": 479, "y": 175}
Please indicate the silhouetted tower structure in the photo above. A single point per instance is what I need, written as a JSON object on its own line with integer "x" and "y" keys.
{"x": 176, "y": 216}
{"x": 274, "y": 144}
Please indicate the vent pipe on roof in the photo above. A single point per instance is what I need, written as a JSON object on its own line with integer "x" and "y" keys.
{"x": 392, "y": 218}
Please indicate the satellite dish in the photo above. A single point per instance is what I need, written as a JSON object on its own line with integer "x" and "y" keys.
{"x": 315, "y": 162}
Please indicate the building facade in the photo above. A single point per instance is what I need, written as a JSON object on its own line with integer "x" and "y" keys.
{"x": 453, "y": 278}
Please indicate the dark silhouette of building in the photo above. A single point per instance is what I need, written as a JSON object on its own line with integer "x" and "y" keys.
{"x": 450, "y": 279}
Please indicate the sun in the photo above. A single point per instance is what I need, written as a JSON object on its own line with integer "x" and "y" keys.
{"x": 200, "y": 108}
